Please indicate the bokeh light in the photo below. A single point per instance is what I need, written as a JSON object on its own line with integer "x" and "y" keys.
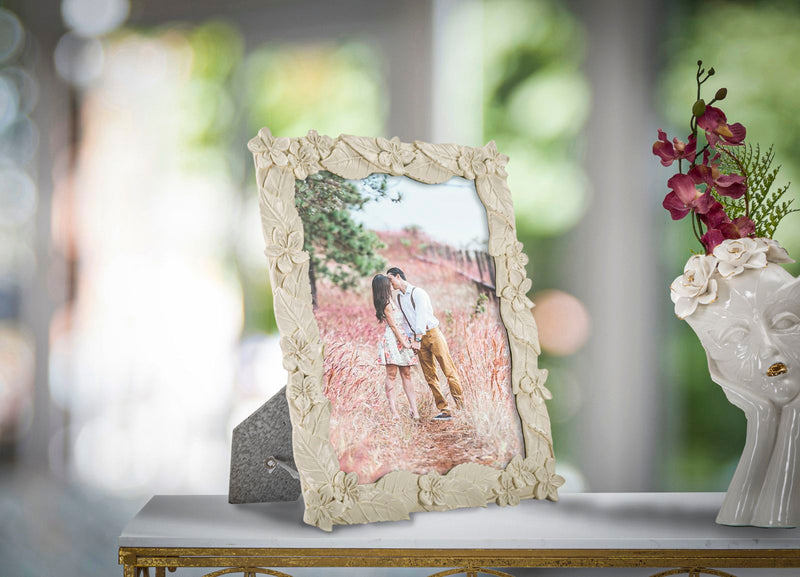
{"x": 9, "y": 103}
{"x": 94, "y": 17}
{"x": 79, "y": 60}
{"x": 17, "y": 197}
{"x": 563, "y": 322}
{"x": 551, "y": 105}
{"x": 12, "y": 35}
{"x": 26, "y": 87}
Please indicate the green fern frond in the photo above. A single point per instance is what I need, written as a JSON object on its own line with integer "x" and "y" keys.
{"x": 766, "y": 207}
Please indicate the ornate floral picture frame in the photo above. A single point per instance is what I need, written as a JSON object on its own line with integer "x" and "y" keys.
{"x": 331, "y": 495}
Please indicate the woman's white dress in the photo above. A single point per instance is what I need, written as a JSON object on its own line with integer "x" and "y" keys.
{"x": 389, "y": 350}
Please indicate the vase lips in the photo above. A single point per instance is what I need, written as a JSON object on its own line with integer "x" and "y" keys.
{"x": 777, "y": 369}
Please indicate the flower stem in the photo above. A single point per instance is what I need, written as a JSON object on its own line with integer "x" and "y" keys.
{"x": 694, "y": 227}
{"x": 697, "y": 78}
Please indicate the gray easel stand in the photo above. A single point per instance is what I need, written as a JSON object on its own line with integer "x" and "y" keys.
{"x": 262, "y": 462}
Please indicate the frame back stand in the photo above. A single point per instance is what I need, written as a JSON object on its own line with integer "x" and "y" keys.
{"x": 262, "y": 462}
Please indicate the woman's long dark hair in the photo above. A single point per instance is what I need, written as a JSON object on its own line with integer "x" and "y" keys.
{"x": 381, "y": 294}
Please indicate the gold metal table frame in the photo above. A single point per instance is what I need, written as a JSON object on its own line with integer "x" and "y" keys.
{"x": 250, "y": 562}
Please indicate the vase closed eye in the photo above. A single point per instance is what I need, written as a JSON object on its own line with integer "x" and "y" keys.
{"x": 751, "y": 335}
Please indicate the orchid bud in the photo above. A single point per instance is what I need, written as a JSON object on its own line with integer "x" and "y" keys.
{"x": 711, "y": 71}
{"x": 699, "y": 108}
{"x": 721, "y": 94}
{"x": 699, "y": 62}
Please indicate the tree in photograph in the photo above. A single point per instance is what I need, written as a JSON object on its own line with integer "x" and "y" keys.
{"x": 341, "y": 249}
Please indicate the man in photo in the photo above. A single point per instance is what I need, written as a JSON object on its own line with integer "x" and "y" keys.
{"x": 422, "y": 327}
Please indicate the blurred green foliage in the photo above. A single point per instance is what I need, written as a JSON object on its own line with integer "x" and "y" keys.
{"x": 536, "y": 104}
{"x": 755, "y": 49}
{"x": 330, "y": 88}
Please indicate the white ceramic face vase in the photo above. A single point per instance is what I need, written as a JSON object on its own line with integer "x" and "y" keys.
{"x": 751, "y": 335}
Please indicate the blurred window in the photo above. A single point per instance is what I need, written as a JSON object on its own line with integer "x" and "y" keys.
{"x": 169, "y": 342}
{"x": 536, "y": 101}
{"x": 18, "y": 211}
{"x": 762, "y": 75}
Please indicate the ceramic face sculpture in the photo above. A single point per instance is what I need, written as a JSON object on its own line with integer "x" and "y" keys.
{"x": 750, "y": 329}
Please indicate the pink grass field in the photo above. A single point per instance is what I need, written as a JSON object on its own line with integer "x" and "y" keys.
{"x": 367, "y": 439}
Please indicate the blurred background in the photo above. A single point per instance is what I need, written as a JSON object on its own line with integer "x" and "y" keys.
{"x": 136, "y": 325}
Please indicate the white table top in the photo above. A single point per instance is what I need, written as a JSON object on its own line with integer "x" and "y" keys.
{"x": 577, "y": 521}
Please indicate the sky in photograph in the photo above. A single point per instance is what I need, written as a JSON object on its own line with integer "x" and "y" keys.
{"x": 449, "y": 212}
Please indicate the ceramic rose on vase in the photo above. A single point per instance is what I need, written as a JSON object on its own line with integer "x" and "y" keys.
{"x": 742, "y": 304}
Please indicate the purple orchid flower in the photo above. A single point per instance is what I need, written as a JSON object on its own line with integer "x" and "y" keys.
{"x": 739, "y": 228}
{"x": 669, "y": 152}
{"x": 685, "y": 197}
{"x": 714, "y": 122}
{"x": 711, "y": 239}
{"x": 716, "y": 216}
{"x": 730, "y": 185}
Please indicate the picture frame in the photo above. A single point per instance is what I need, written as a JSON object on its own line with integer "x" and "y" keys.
{"x": 333, "y": 496}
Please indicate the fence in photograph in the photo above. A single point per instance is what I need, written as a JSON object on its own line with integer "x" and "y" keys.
{"x": 476, "y": 265}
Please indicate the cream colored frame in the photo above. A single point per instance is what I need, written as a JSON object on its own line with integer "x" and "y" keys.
{"x": 331, "y": 495}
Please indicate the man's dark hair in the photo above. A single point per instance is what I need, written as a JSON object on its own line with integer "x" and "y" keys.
{"x": 394, "y": 271}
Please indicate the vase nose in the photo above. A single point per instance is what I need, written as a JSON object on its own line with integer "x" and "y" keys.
{"x": 769, "y": 353}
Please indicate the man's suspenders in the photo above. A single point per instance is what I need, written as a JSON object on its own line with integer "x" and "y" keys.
{"x": 404, "y": 312}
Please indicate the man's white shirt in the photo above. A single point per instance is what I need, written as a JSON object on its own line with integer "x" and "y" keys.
{"x": 419, "y": 316}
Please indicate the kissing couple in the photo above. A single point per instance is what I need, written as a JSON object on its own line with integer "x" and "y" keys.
{"x": 412, "y": 331}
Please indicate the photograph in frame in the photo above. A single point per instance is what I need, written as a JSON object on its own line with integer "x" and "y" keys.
{"x": 400, "y": 295}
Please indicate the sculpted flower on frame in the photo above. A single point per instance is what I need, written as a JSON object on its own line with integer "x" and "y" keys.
{"x": 306, "y": 387}
{"x": 735, "y": 255}
{"x": 547, "y": 481}
{"x": 269, "y": 150}
{"x": 522, "y": 471}
{"x": 322, "y": 509}
{"x": 472, "y": 162}
{"x": 286, "y": 249}
{"x": 343, "y": 488}
{"x": 303, "y": 159}
{"x": 322, "y": 144}
{"x": 298, "y": 354}
{"x": 506, "y": 494}
{"x": 304, "y": 394}
{"x": 695, "y": 286}
{"x": 517, "y": 295}
{"x": 515, "y": 254}
{"x": 394, "y": 154}
{"x": 431, "y": 490}
{"x": 495, "y": 162}
{"x": 534, "y": 385}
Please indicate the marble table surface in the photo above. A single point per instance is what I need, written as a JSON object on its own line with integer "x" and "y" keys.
{"x": 577, "y": 521}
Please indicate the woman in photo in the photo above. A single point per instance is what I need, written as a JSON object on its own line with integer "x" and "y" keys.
{"x": 394, "y": 347}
